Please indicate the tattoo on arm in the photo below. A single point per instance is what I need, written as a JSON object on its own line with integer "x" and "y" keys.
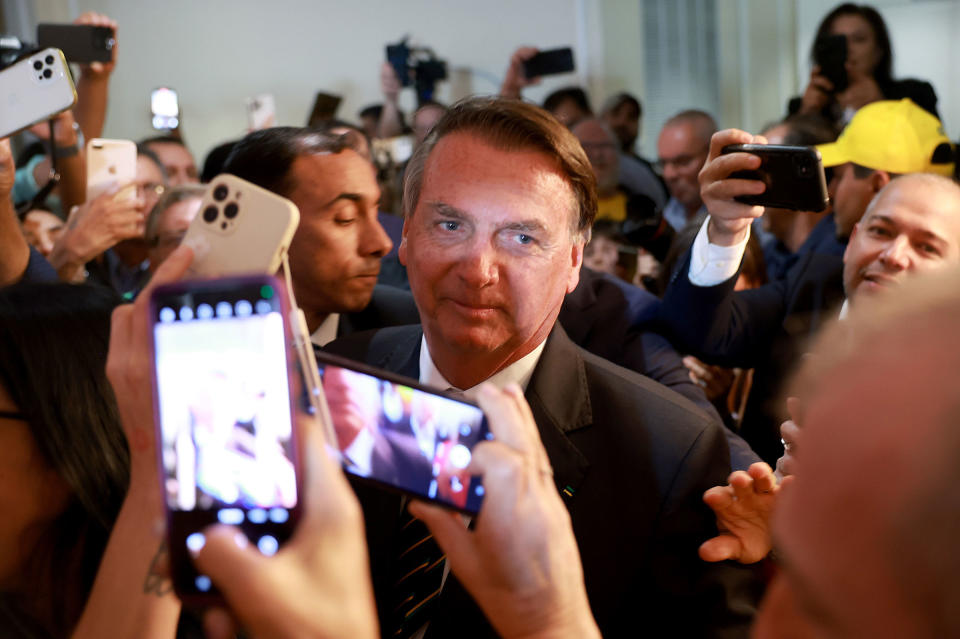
{"x": 157, "y": 582}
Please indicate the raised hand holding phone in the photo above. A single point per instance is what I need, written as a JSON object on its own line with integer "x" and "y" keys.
{"x": 730, "y": 219}
{"x": 520, "y": 562}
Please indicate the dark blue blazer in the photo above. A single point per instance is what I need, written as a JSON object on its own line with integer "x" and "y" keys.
{"x": 766, "y": 328}
{"x": 631, "y": 460}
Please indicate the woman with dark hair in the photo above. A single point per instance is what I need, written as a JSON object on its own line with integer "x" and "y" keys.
{"x": 62, "y": 451}
{"x": 869, "y": 67}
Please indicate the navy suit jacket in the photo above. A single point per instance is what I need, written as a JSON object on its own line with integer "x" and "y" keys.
{"x": 766, "y": 328}
{"x": 631, "y": 460}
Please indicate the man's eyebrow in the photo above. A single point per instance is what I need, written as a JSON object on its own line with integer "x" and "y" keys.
{"x": 448, "y": 211}
{"x": 525, "y": 225}
{"x": 350, "y": 197}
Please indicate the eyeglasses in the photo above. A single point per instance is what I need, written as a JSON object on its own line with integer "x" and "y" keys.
{"x": 9, "y": 414}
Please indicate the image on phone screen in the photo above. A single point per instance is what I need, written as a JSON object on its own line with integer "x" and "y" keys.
{"x": 225, "y": 419}
{"x": 410, "y": 439}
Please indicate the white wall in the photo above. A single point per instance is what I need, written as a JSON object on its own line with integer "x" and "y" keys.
{"x": 217, "y": 52}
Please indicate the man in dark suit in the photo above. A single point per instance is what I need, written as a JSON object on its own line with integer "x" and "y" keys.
{"x": 768, "y": 328}
{"x": 498, "y": 205}
{"x": 335, "y": 253}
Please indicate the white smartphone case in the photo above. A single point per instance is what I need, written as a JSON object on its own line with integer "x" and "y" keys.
{"x": 109, "y": 163}
{"x": 33, "y": 90}
{"x": 241, "y": 229}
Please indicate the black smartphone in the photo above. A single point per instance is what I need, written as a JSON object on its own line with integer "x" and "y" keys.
{"x": 81, "y": 43}
{"x": 830, "y": 54}
{"x": 793, "y": 175}
{"x": 398, "y": 55}
{"x": 223, "y": 382}
{"x": 402, "y": 435}
{"x": 549, "y": 63}
{"x": 325, "y": 107}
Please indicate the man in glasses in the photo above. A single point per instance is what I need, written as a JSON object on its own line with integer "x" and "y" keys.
{"x": 682, "y": 148}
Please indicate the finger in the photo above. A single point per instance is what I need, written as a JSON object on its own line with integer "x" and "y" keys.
{"x": 327, "y": 496}
{"x": 218, "y": 624}
{"x": 763, "y": 479}
{"x": 721, "y": 167}
{"x": 727, "y": 189}
{"x": 451, "y": 534}
{"x": 720, "y": 548}
{"x": 727, "y": 137}
{"x": 790, "y": 433}
{"x": 718, "y": 497}
{"x": 229, "y": 560}
{"x": 502, "y": 417}
{"x": 694, "y": 365}
{"x": 528, "y": 424}
{"x": 742, "y": 485}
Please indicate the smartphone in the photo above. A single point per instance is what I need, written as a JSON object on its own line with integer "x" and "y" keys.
{"x": 33, "y": 90}
{"x": 164, "y": 109}
{"x": 224, "y": 405}
{"x": 109, "y": 163}
{"x": 398, "y": 55}
{"x": 830, "y": 54}
{"x": 403, "y": 436}
{"x": 261, "y": 112}
{"x": 81, "y": 43}
{"x": 241, "y": 229}
{"x": 793, "y": 175}
{"x": 325, "y": 107}
{"x": 549, "y": 63}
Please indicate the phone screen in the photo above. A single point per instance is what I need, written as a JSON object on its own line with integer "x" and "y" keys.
{"x": 224, "y": 415}
{"x": 408, "y": 438}
{"x": 165, "y": 108}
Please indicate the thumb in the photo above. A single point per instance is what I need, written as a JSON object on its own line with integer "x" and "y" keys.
{"x": 720, "y": 548}
{"x": 229, "y": 559}
{"x": 450, "y": 532}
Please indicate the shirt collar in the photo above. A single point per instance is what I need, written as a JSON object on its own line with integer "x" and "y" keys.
{"x": 519, "y": 372}
{"x": 327, "y": 331}
{"x": 845, "y": 309}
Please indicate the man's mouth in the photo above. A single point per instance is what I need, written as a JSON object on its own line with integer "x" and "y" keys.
{"x": 878, "y": 279}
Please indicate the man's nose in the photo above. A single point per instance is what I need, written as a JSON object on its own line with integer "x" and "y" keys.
{"x": 375, "y": 242}
{"x": 478, "y": 265}
{"x": 897, "y": 254}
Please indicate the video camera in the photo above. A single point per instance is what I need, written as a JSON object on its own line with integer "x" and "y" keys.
{"x": 417, "y": 66}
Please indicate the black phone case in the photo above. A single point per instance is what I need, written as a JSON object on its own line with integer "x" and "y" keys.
{"x": 793, "y": 175}
{"x": 549, "y": 63}
{"x": 80, "y": 43}
{"x": 830, "y": 54}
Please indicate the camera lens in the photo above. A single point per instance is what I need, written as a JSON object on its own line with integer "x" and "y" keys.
{"x": 210, "y": 214}
{"x": 220, "y": 193}
{"x": 47, "y": 73}
{"x": 48, "y": 59}
{"x": 37, "y": 65}
{"x": 230, "y": 210}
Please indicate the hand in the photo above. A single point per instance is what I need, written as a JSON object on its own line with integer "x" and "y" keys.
{"x": 96, "y": 226}
{"x": 64, "y": 129}
{"x": 790, "y": 433}
{"x": 389, "y": 83}
{"x": 8, "y": 170}
{"x": 521, "y": 562}
{"x": 715, "y": 380}
{"x": 743, "y": 508}
{"x": 818, "y": 94}
{"x": 318, "y": 584}
{"x": 515, "y": 80}
{"x": 730, "y": 220}
{"x": 99, "y": 69}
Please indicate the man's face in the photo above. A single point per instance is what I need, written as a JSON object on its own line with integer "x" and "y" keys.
{"x": 489, "y": 248}
{"x": 149, "y": 181}
{"x": 625, "y": 122}
{"x": 601, "y": 148}
{"x": 171, "y": 228}
{"x": 911, "y": 229}
{"x": 851, "y": 196}
{"x": 335, "y": 253}
{"x": 682, "y": 154}
{"x": 176, "y": 159}
{"x": 602, "y": 254}
{"x": 831, "y": 528}
{"x": 42, "y": 230}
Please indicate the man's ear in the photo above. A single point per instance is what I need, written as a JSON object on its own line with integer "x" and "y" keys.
{"x": 853, "y": 234}
{"x": 402, "y": 249}
{"x": 576, "y": 261}
{"x": 878, "y": 180}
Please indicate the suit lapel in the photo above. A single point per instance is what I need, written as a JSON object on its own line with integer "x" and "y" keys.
{"x": 558, "y": 398}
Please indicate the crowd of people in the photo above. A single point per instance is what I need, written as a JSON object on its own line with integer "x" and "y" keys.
{"x": 709, "y": 418}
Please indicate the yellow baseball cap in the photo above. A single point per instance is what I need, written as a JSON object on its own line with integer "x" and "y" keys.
{"x": 895, "y": 136}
